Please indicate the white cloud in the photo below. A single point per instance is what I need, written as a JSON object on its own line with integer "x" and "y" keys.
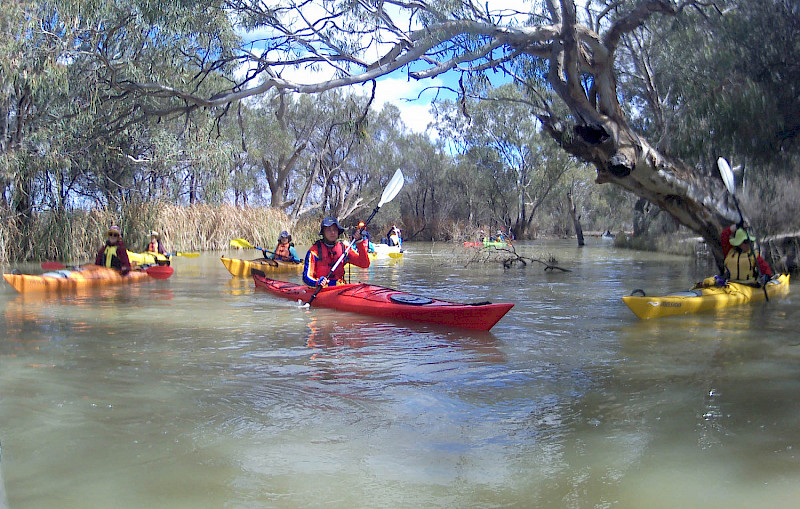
{"x": 412, "y": 98}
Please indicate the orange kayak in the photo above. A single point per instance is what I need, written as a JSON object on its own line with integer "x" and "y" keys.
{"x": 86, "y": 276}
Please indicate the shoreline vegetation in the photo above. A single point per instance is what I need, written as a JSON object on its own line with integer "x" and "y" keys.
{"x": 77, "y": 235}
{"x": 74, "y": 236}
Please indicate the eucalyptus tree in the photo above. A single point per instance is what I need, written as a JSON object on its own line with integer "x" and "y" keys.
{"x": 532, "y": 163}
{"x": 551, "y": 46}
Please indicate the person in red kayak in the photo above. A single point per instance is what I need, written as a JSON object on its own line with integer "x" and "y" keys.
{"x": 324, "y": 253}
{"x": 114, "y": 254}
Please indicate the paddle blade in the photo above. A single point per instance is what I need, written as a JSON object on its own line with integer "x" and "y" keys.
{"x": 187, "y": 255}
{"x": 53, "y": 266}
{"x": 241, "y": 244}
{"x": 727, "y": 175}
{"x": 394, "y": 187}
{"x": 159, "y": 271}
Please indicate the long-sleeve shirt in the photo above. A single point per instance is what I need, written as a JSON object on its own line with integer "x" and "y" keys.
{"x": 321, "y": 258}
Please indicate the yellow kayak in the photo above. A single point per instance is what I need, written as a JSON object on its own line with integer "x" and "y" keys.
{"x": 239, "y": 267}
{"x": 384, "y": 252}
{"x": 148, "y": 258}
{"x": 704, "y": 299}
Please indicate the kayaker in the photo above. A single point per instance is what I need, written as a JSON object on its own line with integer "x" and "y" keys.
{"x": 370, "y": 245}
{"x": 324, "y": 253}
{"x": 393, "y": 236}
{"x": 114, "y": 254}
{"x": 155, "y": 245}
{"x": 742, "y": 264}
{"x": 284, "y": 251}
{"x": 727, "y": 233}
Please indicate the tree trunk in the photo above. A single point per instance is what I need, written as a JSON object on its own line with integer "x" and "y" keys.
{"x": 576, "y": 220}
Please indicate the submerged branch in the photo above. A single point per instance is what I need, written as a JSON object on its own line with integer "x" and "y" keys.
{"x": 508, "y": 256}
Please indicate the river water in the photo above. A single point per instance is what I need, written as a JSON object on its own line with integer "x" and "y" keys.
{"x": 197, "y": 391}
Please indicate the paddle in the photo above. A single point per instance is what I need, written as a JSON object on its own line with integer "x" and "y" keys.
{"x": 179, "y": 253}
{"x": 392, "y": 189}
{"x": 727, "y": 177}
{"x": 156, "y": 271}
{"x": 244, "y": 243}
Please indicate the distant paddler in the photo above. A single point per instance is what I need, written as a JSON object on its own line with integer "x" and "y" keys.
{"x": 155, "y": 245}
{"x": 284, "y": 251}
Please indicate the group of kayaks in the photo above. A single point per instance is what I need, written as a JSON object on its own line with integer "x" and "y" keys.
{"x": 384, "y": 302}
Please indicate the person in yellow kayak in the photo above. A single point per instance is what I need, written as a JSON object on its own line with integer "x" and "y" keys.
{"x": 742, "y": 264}
{"x": 324, "y": 253}
{"x": 114, "y": 254}
{"x": 155, "y": 245}
{"x": 284, "y": 251}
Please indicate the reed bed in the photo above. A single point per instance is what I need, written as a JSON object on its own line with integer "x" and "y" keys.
{"x": 75, "y": 236}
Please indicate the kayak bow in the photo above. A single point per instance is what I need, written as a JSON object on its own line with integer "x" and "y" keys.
{"x": 383, "y": 302}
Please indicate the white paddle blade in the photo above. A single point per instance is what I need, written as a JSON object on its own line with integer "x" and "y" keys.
{"x": 727, "y": 174}
{"x": 394, "y": 187}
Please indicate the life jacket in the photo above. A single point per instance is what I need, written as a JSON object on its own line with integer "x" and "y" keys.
{"x": 327, "y": 256}
{"x": 111, "y": 259}
{"x": 282, "y": 252}
{"x": 741, "y": 266}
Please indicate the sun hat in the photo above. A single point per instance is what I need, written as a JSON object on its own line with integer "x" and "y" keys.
{"x": 740, "y": 237}
{"x": 155, "y": 234}
{"x": 114, "y": 229}
{"x": 328, "y": 221}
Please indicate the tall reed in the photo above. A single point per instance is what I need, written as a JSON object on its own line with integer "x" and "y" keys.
{"x": 75, "y": 236}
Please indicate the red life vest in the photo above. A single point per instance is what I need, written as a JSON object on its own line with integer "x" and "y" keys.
{"x": 327, "y": 256}
{"x": 282, "y": 252}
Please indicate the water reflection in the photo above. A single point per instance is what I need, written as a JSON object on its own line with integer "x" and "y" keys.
{"x": 199, "y": 392}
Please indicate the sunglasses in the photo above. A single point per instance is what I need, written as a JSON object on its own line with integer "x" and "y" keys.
{"x": 113, "y": 234}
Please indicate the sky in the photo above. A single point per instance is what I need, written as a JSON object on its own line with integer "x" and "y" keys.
{"x": 398, "y": 89}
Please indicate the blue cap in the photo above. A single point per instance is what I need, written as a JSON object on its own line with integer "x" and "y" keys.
{"x": 328, "y": 221}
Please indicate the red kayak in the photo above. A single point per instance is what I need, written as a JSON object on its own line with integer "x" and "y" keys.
{"x": 387, "y": 303}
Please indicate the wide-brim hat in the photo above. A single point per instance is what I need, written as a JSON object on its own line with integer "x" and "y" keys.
{"x": 285, "y": 235}
{"x": 329, "y": 221}
{"x": 741, "y": 236}
{"x": 155, "y": 234}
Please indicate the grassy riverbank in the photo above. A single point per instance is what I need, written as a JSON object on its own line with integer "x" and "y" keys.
{"x": 75, "y": 236}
